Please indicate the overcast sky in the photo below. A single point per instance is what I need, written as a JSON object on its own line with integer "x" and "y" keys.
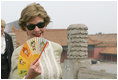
{"x": 98, "y": 16}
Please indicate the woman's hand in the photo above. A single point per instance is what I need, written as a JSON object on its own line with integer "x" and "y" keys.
{"x": 34, "y": 70}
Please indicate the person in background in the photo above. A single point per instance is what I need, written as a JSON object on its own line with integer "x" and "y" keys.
{"x": 6, "y": 52}
{"x": 34, "y": 20}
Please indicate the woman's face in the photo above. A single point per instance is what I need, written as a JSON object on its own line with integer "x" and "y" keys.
{"x": 36, "y": 32}
{"x": 2, "y": 30}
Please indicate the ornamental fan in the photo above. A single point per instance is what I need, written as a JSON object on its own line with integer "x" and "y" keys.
{"x": 30, "y": 50}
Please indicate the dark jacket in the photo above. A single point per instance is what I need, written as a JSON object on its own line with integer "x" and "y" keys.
{"x": 6, "y": 57}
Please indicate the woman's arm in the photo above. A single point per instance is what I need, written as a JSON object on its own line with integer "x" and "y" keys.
{"x": 34, "y": 70}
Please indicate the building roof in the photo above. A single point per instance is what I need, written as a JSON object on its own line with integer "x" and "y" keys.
{"x": 109, "y": 50}
{"x": 104, "y": 37}
{"x": 103, "y": 40}
{"x": 60, "y": 36}
{"x": 57, "y": 35}
{"x": 10, "y": 25}
{"x": 92, "y": 42}
{"x": 105, "y": 44}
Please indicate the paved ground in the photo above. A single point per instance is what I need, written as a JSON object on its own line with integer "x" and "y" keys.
{"x": 110, "y": 67}
{"x": 100, "y": 70}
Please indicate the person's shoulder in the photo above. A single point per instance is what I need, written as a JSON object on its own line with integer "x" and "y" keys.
{"x": 6, "y": 33}
{"x": 56, "y": 46}
{"x": 17, "y": 50}
{"x": 57, "y": 49}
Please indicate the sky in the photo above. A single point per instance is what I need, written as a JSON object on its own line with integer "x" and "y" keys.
{"x": 98, "y": 16}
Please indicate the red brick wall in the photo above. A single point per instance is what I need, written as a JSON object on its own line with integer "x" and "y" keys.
{"x": 97, "y": 51}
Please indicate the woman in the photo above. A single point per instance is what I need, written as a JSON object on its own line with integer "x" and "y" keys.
{"x": 34, "y": 20}
{"x": 6, "y": 52}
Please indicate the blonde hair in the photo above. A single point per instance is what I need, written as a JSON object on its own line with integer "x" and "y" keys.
{"x": 3, "y": 24}
{"x": 32, "y": 11}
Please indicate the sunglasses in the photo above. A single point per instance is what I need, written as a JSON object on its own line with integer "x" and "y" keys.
{"x": 32, "y": 26}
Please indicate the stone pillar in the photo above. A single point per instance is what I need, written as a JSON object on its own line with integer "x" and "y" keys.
{"x": 77, "y": 49}
{"x": 13, "y": 35}
{"x": 77, "y": 41}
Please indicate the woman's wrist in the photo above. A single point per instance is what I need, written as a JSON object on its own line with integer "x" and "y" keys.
{"x": 28, "y": 76}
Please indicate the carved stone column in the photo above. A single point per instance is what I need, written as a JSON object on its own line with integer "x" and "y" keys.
{"x": 77, "y": 41}
{"x": 77, "y": 49}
